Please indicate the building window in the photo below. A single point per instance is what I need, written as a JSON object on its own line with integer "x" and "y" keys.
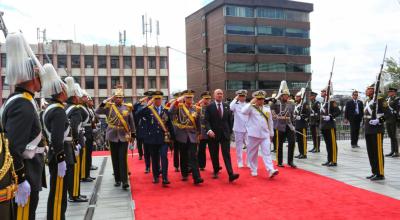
{"x": 62, "y": 61}
{"x": 296, "y": 16}
{"x": 271, "y": 49}
{"x": 89, "y": 82}
{"x": 293, "y": 32}
{"x": 303, "y": 68}
{"x": 296, "y": 50}
{"x": 239, "y": 84}
{"x": 3, "y": 60}
{"x": 297, "y": 85}
{"x": 3, "y": 80}
{"x": 75, "y": 61}
{"x": 239, "y": 48}
{"x": 152, "y": 62}
{"x": 270, "y": 85}
{"x": 271, "y": 13}
{"x": 272, "y": 67}
{"x": 77, "y": 79}
{"x": 114, "y": 62}
{"x": 270, "y": 31}
{"x": 139, "y": 62}
{"x": 238, "y": 11}
{"x": 164, "y": 82}
{"x": 152, "y": 82}
{"x": 114, "y": 81}
{"x": 101, "y": 61}
{"x": 47, "y": 59}
{"x": 239, "y": 30}
{"x": 128, "y": 82}
{"x": 102, "y": 82}
{"x": 163, "y": 62}
{"x": 139, "y": 82}
{"x": 127, "y": 62}
{"x": 89, "y": 61}
{"x": 240, "y": 67}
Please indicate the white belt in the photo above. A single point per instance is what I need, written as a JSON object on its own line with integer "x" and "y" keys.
{"x": 68, "y": 139}
{"x": 29, "y": 154}
{"x": 86, "y": 125}
{"x": 313, "y": 114}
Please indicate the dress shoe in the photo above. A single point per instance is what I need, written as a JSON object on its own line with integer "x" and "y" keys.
{"x": 219, "y": 168}
{"x": 147, "y": 170}
{"x": 233, "y": 177}
{"x": 93, "y": 178}
{"x": 165, "y": 182}
{"x": 202, "y": 169}
{"x": 317, "y": 151}
{"x": 273, "y": 173}
{"x": 312, "y": 150}
{"x": 396, "y": 155}
{"x": 198, "y": 181}
{"x": 326, "y": 163}
{"x": 244, "y": 147}
{"x": 280, "y": 165}
{"x": 125, "y": 186}
{"x": 87, "y": 180}
{"x": 140, "y": 158}
{"x": 155, "y": 180}
{"x": 273, "y": 150}
{"x": 292, "y": 165}
{"x": 370, "y": 177}
{"x": 82, "y": 196}
{"x": 389, "y": 154}
{"x": 93, "y": 168}
{"x": 297, "y": 156}
{"x": 77, "y": 199}
{"x": 303, "y": 157}
{"x": 117, "y": 184}
{"x": 184, "y": 178}
{"x": 177, "y": 169}
{"x": 331, "y": 164}
{"x": 215, "y": 176}
{"x": 355, "y": 146}
{"x": 377, "y": 177}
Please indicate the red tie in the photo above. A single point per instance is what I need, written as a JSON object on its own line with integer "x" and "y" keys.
{"x": 219, "y": 110}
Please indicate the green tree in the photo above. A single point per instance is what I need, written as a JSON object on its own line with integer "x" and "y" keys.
{"x": 392, "y": 72}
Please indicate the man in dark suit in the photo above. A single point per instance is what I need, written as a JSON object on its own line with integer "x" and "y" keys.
{"x": 354, "y": 114}
{"x": 219, "y": 124}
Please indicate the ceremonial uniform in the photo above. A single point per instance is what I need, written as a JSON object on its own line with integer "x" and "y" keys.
{"x": 88, "y": 134}
{"x": 301, "y": 115}
{"x": 203, "y": 137}
{"x": 174, "y": 143}
{"x": 392, "y": 120}
{"x": 84, "y": 140}
{"x": 328, "y": 130}
{"x": 140, "y": 132}
{"x": 314, "y": 124}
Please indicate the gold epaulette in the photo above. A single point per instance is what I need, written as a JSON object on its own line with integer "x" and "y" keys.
{"x": 129, "y": 105}
{"x": 27, "y": 96}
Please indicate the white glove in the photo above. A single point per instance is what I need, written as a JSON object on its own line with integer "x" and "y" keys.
{"x": 78, "y": 148}
{"x": 62, "y": 168}
{"x": 326, "y": 117}
{"x": 374, "y": 122}
{"x": 23, "y": 193}
{"x": 298, "y": 117}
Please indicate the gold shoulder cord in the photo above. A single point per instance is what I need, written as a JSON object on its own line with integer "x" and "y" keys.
{"x": 8, "y": 161}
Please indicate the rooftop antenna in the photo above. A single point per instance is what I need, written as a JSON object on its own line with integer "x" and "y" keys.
{"x": 42, "y": 38}
{"x": 147, "y": 27}
{"x": 157, "y": 30}
{"x": 122, "y": 38}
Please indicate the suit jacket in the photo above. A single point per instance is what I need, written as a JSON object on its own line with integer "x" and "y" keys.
{"x": 350, "y": 111}
{"x": 222, "y": 127}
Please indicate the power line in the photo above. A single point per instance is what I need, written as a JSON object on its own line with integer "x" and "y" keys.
{"x": 196, "y": 58}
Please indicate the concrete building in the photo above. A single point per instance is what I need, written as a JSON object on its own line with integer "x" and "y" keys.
{"x": 99, "y": 69}
{"x": 252, "y": 44}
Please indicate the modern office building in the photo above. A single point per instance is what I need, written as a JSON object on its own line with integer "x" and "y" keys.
{"x": 99, "y": 69}
{"x": 252, "y": 44}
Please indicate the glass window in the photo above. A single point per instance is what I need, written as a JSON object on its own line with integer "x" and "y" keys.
{"x": 3, "y": 60}
{"x": 238, "y": 29}
{"x": 89, "y": 61}
{"x": 296, "y": 16}
{"x": 152, "y": 62}
{"x": 101, "y": 62}
{"x": 240, "y": 67}
{"x": 272, "y": 67}
{"x": 152, "y": 82}
{"x": 75, "y": 61}
{"x": 139, "y": 82}
{"x": 268, "y": 84}
{"x": 128, "y": 82}
{"x": 139, "y": 62}
{"x": 292, "y": 67}
{"x": 272, "y": 13}
{"x": 114, "y": 81}
{"x": 62, "y": 61}
{"x": 47, "y": 59}
{"x": 239, "y": 84}
{"x": 240, "y": 48}
{"x": 114, "y": 61}
{"x": 127, "y": 62}
{"x": 296, "y": 50}
{"x": 293, "y": 32}
{"x": 89, "y": 82}
{"x": 271, "y": 49}
{"x": 239, "y": 11}
{"x": 164, "y": 82}
{"x": 163, "y": 62}
{"x": 297, "y": 85}
{"x": 77, "y": 79}
{"x": 5, "y": 86}
{"x": 102, "y": 82}
{"x": 270, "y": 31}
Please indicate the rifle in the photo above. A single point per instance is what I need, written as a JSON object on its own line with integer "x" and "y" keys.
{"x": 328, "y": 90}
{"x": 303, "y": 98}
{"x": 3, "y": 25}
{"x": 377, "y": 86}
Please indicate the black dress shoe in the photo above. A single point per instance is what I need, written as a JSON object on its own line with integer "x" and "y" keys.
{"x": 280, "y": 165}
{"x": 303, "y": 157}
{"x": 233, "y": 177}
{"x": 87, "y": 180}
{"x": 389, "y": 154}
{"x": 165, "y": 182}
{"x": 312, "y": 150}
{"x": 396, "y": 155}
{"x": 184, "y": 178}
{"x": 177, "y": 169}
{"x": 117, "y": 184}
{"x": 377, "y": 177}
{"x": 155, "y": 180}
{"x": 215, "y": 176}
{"x": 331, "y": 164}
{"x": 77, "y": 199}
{"x": 140, "y": 158}
{"x": 93, "y": 178}
{"x": 125, "y": 186}
{"x": 317, "y": 151}
{"x": 297, "y": 156}
{"x": 370, "y": 177}
{"x": 93, "y": 168}
{"x": 292, "y": 165}
{"x": 273, "y": 150}
{"x": 244, "y": 147}
{"x": 326, "y": 163}
{"x": 147, "y": 170}
{"x": 198, "y": 181}
{"x": 202, "y": 169}
{"x": 82, "y": 196}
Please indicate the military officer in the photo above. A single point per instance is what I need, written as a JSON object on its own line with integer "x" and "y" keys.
{"x": 175, "y": 143}
{"x": 157, "y": 135}
{"x": 329, "y": 111}
{"x": 374, "y": 130}
{"x": 120, "y": 131}
{"x": 201, "y": 110}
{"x": 88, "y": 134}
{"x": 392, "y": 118}
{"x": 20, "y": 120}
{"x": 315, "y": 106}
{"x": 239, "y": 124}
{"x": 186, "y": 133}
{"x": 56, "y": 127}
{"x": 282, "y": 112}
{"x": 260, "y": 133}
{"x": 301, "y": 115}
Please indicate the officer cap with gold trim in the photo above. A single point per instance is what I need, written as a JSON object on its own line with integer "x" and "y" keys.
{"x": 176, "y": 94}
{"x": 148, "y": 93}
{"x": 372, "y": 86}
{"x": 206, "y": 95}
{"x": 259, "y": 94}
{"x": 157, "y": 95}
{"x": 391, "y": 89}
{"x": 313, "y": 94}
{"x": 119, "y": 91}
{"x": 241, "y": 92}
{"x": 188, "y": 93}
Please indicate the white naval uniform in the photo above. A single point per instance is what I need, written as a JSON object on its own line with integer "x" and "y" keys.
{"x": 239, "y": 128}
{"x": 259, "y": 132}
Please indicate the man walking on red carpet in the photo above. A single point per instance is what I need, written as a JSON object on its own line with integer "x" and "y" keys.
{"x": 260, "y": 132}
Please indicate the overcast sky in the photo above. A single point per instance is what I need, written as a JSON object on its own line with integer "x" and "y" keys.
{"x": 353, "y": 31}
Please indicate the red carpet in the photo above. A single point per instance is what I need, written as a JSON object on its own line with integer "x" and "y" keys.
{"x": 100, "y": 153}
{"x": 293, "y": 194}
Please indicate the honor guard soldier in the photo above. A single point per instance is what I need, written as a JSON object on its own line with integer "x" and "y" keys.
{"x": 186, "y": 134}
{"x": 301, "y": 115}
{"x": 56, "y": 127}
{"x": 21, "y": 123}
{"x": 374, "y": 130}
{"x": 392, "y": 121}
{"x": 282, "y": 112}
{"x": 174, "y": 142}
{"x": 88, "y": 134}
{"x": 120, "y": 131}
{"x": 260, "y": 130}
{"x": 270, "y": 101}
{"x": 201, "y": 109}
{"x": 157, "y": 135}
{"x": 329, "y": 111}
{"x": 315, "y": 107}
{"x": 74, "y": 141}
{"x": 239, "y": 123}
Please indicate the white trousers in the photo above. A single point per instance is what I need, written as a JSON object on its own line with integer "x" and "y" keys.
{"x": 240, "y": 138}
{"x": 252, "y": 153}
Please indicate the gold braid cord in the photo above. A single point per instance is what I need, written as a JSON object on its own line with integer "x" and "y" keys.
{"x": 8, "y": 161}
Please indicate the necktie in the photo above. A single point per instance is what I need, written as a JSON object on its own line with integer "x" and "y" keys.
{"x": 357, "y": 111}
{"x": 219, "y": 110}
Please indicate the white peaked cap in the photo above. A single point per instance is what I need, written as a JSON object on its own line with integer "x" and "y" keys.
{"x": 20, "y": 60}
{"x": 51, "y": 81}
